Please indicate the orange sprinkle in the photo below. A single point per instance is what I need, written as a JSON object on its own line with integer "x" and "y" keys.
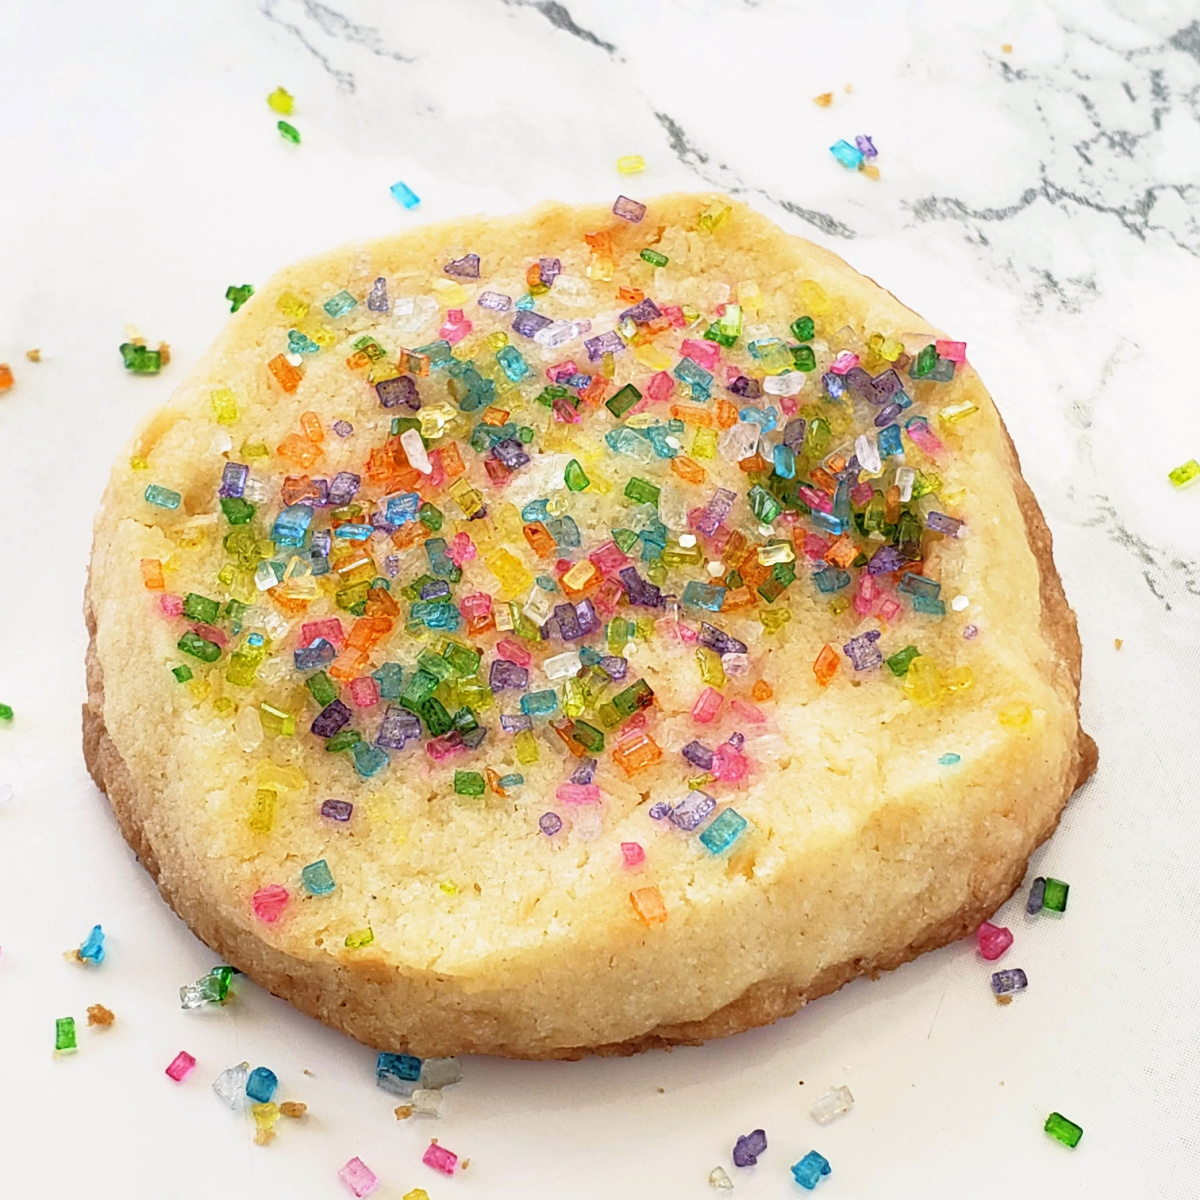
{"x": 299, "y": 450}
{"x": 842, "y": 553}
{"x": 495, "y": 416}
{"x": 688, "y": 469}
{"x": 824, "y": 100}
{"x": 99, "y": 1015}
{"x": 310, "y": 426}
{"x": 451, "y": 460}
{"x": 285, "y": 374}
{"x": 737, "y": 598}
{"x": 286, "y": 603}
{"x": 835, "y": 463}
{"x": 692, "y": 414}
{"x": 381, "y": 604}
{"x": 631, "y": 295}
{"x": 755, "y": 464}
{"x": 152, "y": 575}
{"x": 6, "y": 377}
{"x": 594, "y": 392}
{"x": 538, "y": 536}
{"x": 1006, "y": 48}
{"x": 582, "y": 576}
{"x": 824, "y": 480}
{"x": 762, "y": 690}
{"x": 648, "y": 905}
{"x": 358, "y": 360}
{"x": 727, "y": 414}
{"x": 891, "y": 505}
{"x": 636, "y": 752}
{"x": 349, "y": 664}
{"x": 367, "y": 631}
{"x": 600, "y": 242}
{"x": 826, "y": 666}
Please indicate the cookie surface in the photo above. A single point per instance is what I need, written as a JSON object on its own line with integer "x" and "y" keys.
{"x": 579, "y": 631}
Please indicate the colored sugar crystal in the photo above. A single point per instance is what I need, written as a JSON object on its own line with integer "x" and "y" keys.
{"x": 809, "y": 1170}
{"x": 1054, "y": 895}
{"x": 653, "y": 257}
{"x": 92, "y": 949}
{"x": 900, "y": 662}
{"x": 692, "y": 811}
{"x": 440, "y": 1159}
{"x": 268, "y": 903}
{"x": 261, "y": 1085}
{"x": 648, "y": 906}
{"x": 181, "y": 1066}
{"x": 288, "y": 132}
{"x": 368, "y": 760}
{"x": 550, "y": 823}
{"x": 340, "y": 304}
{"x": 628, "y": 210}
{"x": 724, "y": 831}
{"x": 1037, "y": 896}
{"x": 631, "y": 164}
{"x": 337, "y": 810}
{"x": 831, "y": 1104}
{"x": 403, "y": 194}
{"x": 849, "y": 156}
{"x": 317, "y": 878}
{"x": 281, "y": 101}
{"x": 748, "y": 1148}
{"x": 358, "y": 1177}
{"x": 438, "y": 1073}
{"x": 230, "y": 1085}
{"x": 397, "y": 1073}
{"x": 575, "y": 477}
{"x": 237, "y": 296}
{"x": 718, "y": 1178}
{"x": 141, "y": 360}
{"x": 862, "y": 650}
{"x": 1062, "y": 1130}
{"x": 623, "y": 400}
{"x": 993, "y": 940}
{"x": 641, "y": 491}
{"x": 468, "y": 783}
{"x": 1006, "y": 983}
{"x": 198, "y": 647}
{"x": 359, "y": 938}
{"x": 182, "y": 673}
{"x": 64, "y": 1034}
{"x": 162, "y": 497}
{"x": 1183, "y": 475}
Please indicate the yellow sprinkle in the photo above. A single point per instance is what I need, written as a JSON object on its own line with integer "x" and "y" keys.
{"x": 824, "y": 100}
{"x": 33, "y": 355}
{"x": 359, "y": 938}
{"x": 448, "y": 292}
{"x": 1015, "y": 716}
{"x": 956, "y": 412}
{"x": 138, "y": 463}
{"x": 448, "y": 885}
{"x": 631, "y": 164}
{"x": 281, "y": 101}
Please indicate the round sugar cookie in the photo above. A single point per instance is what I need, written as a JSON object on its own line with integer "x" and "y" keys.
{"x": 578, "y": 632}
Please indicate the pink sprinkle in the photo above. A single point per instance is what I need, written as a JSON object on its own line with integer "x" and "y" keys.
{"x": 171, "y": 606}
{"x": 437, "y": 472}
{"x": 686, "y": 633}
{"x": 789, "y": 405}
{"x": 704, "y": 353}
{"x": 181, "y": 1066}
{"x": 860, "y": 493}
{"x": 993, "y": 940}
{"x": 660, "y": 387}
{"x": 608, "y": 559}
{"x": 844, "y": 362}
{"x": 358, "y": 1177}
{"x": 364, "y": 691}
{"x": 461, "y": 549}
{"x": 919, "y": 432}
{"x": 888, "y": 609}
{"x": 477, "y": 604}
{"x": 456, "y": 327}
{"x": 329, "y": 629}
{"x": 970, "y": 632}
{"x": 269, "y": 902}
{"x": 867, "y": 594}
{"x": 578, "y": 793}
{"x": 514, "y": 652}
{"x": 562, "y": 370}
{"x": 633, "y": 854}
{"x": 707, "y": 705}
{"x": 815, "y": 498}
{"x": 815, "y": 547}
{"x": 605, "y": 600}
{"x": 674, "y": 314}
{"x": 210, "y": 633}
{"x": 442, "y": 747}
{"x": 440, "y": 1159}
{"x": 748, "y": 712}
{"x": 637, "y": 721}
{"x": 954, "y": 351}
{"x": 730, "y": 764}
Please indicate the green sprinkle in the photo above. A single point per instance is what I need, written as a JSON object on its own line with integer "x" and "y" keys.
{"x": 1184, "y": 475}
{"x": 764, "y": 506}
{"x": 198, "y": 647}
{"x": 290, "y": 132}
{"x": 468, "y": 783}
{"x": 525, "y": 434}
{"x": 589, "y": 737}
{"x": 182, "y": 673}
{"x": 201, "y": 608}
{"x": 641, "y": 492}
{"x": 64, "y": 1033}
{"x": 621, "y": 402}
{"x": 344, "y": 739}
{"x": 237, "y": 296}
{"x": 1062, "y": 1130}
{"x": 803, "y": 358}
{"x": 321, "y": 688}
{"x": 924, "y": 363}
{"x": 804, "y": 329}
{"x": 359, "y": 938}
{"x": 1055, "y": 897}
{"x": 141, "y": 360}
{"x": 237, "y": 511}
{"x": 575, "y": 477}
{"x": 6, "y": 712}
{"x": 654, "y": 258}
{"x": 899, "y": 663}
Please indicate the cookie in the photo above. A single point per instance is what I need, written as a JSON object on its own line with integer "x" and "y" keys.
{"x": 578, "y": 632}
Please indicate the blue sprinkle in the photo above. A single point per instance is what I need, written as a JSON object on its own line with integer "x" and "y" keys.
{"x": 405, "y": 195}
{"x": 849, "y": 156}
{"x": 949, "y": 760}
{"x": 92, "y": 949}
{"x": 261, "y": 1085}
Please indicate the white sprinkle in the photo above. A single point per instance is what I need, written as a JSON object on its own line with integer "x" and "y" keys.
{"x": 410, "y": 439}
{"x": 294, "y": 359}
{"x": 687, "y": 540}
{"x": 716, "y": 568}
{"x": 959, "y": 603}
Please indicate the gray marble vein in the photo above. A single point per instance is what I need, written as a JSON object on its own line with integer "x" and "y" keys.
{"x": 558, "y": 16}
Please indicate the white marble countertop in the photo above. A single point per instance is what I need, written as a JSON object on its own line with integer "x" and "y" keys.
{"x": 1041, "y": 203}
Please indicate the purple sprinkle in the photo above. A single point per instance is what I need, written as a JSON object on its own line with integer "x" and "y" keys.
{"x": 614, "y": 666}
{"x": 747, "y": 388}
{"x": 233, "y": 479}
{"x": 585, "y": 613}
{"x": 862, "y": 650}
{"x": 337, "y": 810}
{"x": 884, "y": 386}
{"x": 377, "y": 299}
{"x": 691, "y": 812}
{"x": 833, "y": 384}
{"x": 344, "y": 488}
{"x": 1004, "y": 983}
{"x": 309, "y": 658}
{"x": 604, "y": 343}
{"x": 885, "y": 560}
{"x": 380, "y": 522}
{"x": 395, "y": 392}
{"x": 647, "y": 595}
{"x": 330, "y": 719}
{"x": 643, "y": 312}
{"x": 793, "y": 434}
{"x": 943, "y": 524}
{"x": 437, "y": 590}
{"x": 660, "y": 810}
{"x": 715, "y": 511}
{"x": 736, "y": 740}
{"x": 866, "y": 147}
{"x": 628, "y": 210}
{"x": 578, "y": 381}
{"x": 496, "y": 301}
{"x": 860, "y": 381}
{"x": 699, "y": 755}
{"x": 511, "y": 453}
{"x": 515, "y": 722}
{"x": 342, "y": 428}
{"x": 568, "y": 622}
{"x": 473, "y": 738}
{"x": 466, "y": 267}
{"x": 505, "y": 674}
{"x": 391, "y": 566}
{"x": 549, "y": 269}
{"x": 720, "y": 641}
{"x": 321, "y": 497}
{"x": 887, "y": 415}
{"x": 397, "y": 727}
{"x": 550, "y": 823}
{"x": 322, "y": 539}
{"x": 970, "y": 632}
{"x": 585, "y": 772}
{"x": 748, "y": 1147}
{"x": 526, "y": 322}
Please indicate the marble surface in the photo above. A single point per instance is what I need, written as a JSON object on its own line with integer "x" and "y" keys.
{"x": 1043, "y": 204}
